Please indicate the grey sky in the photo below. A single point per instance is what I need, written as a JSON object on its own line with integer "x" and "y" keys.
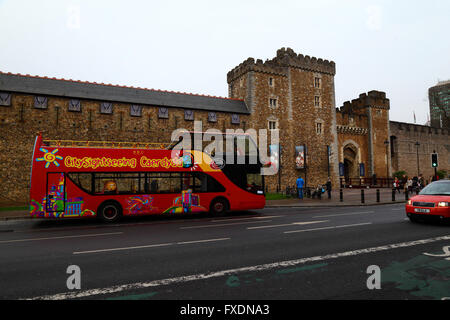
{"x": 398, "y": 46}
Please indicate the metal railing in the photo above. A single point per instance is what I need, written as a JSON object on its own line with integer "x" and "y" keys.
{"x": 106, "y": 144}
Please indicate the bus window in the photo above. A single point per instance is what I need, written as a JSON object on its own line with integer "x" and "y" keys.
{"x": 117, "y": 183}
{"x": 164, "y": 182}
{"x": 82, "y": 180}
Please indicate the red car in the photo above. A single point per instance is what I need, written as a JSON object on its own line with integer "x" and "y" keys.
{"x": 432, "y": 202}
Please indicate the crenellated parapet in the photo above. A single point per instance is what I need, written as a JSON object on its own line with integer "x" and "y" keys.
{"x": 373, "y": 99}
{"x": 285, "y": 58}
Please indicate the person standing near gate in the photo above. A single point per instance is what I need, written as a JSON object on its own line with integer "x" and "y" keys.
{"x": 328, "y": 186}
{"x": 300, "y": 183}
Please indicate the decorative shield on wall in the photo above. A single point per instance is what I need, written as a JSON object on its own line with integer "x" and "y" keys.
{"x": 189, "y": 115}
{"x": 40, "y": 102}
{"x": 5, "y": 99}
{"x": 212, "y": 117}
{"x": 106, "y": 108}
{"x": 75, "y": 105}
{"x": 235, "y": 119}
{"x": 163, "y": 113}
{"x": 135, "y": 110}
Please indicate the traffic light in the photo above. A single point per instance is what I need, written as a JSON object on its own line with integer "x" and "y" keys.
{"x": 434, "y": 160}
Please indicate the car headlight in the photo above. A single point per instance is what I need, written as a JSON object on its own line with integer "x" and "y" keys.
{"x": 443, "y": 204}
{"x": 409, "y": 202}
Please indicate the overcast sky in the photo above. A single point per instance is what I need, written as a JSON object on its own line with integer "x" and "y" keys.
{"x": 400, "y": 47}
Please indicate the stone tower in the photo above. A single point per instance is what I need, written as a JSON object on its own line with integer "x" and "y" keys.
{"x": 364, "y": 137}
{"x": 295, "y": 94}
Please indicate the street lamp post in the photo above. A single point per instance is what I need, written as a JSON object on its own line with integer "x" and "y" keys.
{"x": 386, "y": 143}
{"x": 418, "y": 167}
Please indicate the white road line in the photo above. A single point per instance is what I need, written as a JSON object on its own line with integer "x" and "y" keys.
{"x": 239, "y": 219}
{"x": 222, "y": 225}
{"x": 63, "y": 237}
{"x": 149, "y": 246}
{"x": 327, "y": 228}
{"x": 344, "y": 214}
{"x": 202, "y": 241}
{"x": 261, "y": 267}
{"x": 288, "y": 224}
{"x": 124, "y": 248}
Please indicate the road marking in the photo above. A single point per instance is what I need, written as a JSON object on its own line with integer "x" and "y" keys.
{"x": 288, "y": 224}
{"x": 344, "y": 214}
{"x": 222, "y": 225}
{"x": 148, "y": 246}
{"x": 204, "y": 276}
{"x": 202, "y": 241}
{"x": 327, "y": 228}
{"x": 233, "y": 219}
{"x": 63, "y": 237}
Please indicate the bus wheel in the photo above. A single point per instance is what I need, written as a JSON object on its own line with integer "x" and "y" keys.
{"x": 110, "y": 211}
{"x": 218, "y": 206}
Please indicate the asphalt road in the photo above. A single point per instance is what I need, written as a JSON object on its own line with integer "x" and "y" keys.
{"x": 270, "y": 254}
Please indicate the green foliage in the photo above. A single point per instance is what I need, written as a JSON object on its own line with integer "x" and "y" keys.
{"x": 442, "y": 174}
{"x": 399, "y": 174}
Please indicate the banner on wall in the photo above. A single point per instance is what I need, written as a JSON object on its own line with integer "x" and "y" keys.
{"x": 341, "y": 169}
{"x": 300, "y": 157}
{"x": 274, "y": 150}
{"x": 362, "y": 170}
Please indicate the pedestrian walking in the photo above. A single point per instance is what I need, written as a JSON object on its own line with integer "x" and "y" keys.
{"x": 397, "y": 184}
{"x": 300, "y": 183}
{"x": 328, "y": 186}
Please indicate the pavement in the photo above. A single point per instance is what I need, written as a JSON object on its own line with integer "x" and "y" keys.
{"x": 351, "y": 197}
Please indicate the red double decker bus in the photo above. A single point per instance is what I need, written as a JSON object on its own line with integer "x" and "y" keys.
{"x": 108, "y": 180}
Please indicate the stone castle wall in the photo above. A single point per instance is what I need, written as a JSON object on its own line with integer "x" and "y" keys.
{"x": 404, "y": 153}
{"x": 20, "y": 122}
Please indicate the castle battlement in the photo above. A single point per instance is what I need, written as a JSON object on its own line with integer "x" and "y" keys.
{"x": 285, "y": 58}
{"x": 373, "y": 99}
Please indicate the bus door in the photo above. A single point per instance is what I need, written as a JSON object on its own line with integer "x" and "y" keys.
{"x": 55, "y": 200}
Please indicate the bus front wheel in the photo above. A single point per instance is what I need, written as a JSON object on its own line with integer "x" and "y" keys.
{"x": 110, "y": 211}
{"x": 219, "y": 206}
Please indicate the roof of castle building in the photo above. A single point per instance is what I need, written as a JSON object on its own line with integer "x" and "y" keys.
{"x": 115, "y": 93}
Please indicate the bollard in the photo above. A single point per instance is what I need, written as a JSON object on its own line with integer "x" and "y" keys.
{"x": 341, "y": 195}
{"x": 406, "y": 195}
{"x": 378, "y": 195}
{"x": 362, "y": 195}
{"x": 393, "y": 194}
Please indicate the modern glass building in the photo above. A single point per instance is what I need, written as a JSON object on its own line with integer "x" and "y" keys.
{"x": 439, "y": 97}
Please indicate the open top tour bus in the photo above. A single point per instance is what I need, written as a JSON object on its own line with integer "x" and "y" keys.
{"x": 113, "y": 179}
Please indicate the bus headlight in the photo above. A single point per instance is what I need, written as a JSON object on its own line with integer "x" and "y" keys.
{"x": 409, "y": 202}
{"x": 443, "y": 204}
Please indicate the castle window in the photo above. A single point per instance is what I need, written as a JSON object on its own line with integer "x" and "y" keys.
{"x": 273, "y": 124}
{"x": 317, "y": 82}
{"x": 317, "y": 101}
{"x": 319, "y": 128}
{"x": 271, "y": 82}
{"x": 273, "y": 103}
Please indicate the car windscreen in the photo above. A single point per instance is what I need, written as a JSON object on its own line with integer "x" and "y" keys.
{"x": 437, "y": 188}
